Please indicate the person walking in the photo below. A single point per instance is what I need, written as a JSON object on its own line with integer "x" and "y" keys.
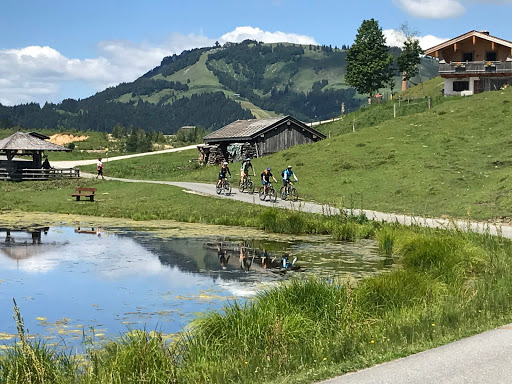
{"x": 100, "y": 169}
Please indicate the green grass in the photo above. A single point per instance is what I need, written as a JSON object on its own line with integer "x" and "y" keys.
{"x": 454, "y": 160}
{"x": 448, "y": 285}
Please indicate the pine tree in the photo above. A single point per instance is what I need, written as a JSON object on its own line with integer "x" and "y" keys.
{"x": 368, "y": 59}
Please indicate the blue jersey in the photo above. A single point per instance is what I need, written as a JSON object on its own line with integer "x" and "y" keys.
{"x": 287, "y": 173}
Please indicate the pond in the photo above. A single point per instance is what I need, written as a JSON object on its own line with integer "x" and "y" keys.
{"x": 76, "y": 282}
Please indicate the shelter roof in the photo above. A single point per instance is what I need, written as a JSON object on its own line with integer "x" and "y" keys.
{"x": 483, "y": 35}
{"x": 248, "y": 129}
{"x": 20, "y": 141}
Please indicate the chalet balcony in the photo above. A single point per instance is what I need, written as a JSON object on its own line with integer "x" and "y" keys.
{"x": 475, "y": 67}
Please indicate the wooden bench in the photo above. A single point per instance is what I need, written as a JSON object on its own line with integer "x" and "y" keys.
{"x": 84, "y": 192}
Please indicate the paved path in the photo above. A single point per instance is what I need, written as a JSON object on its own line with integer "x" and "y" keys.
{"x": 484, "y": 358}
{"x": 77, "y": 163}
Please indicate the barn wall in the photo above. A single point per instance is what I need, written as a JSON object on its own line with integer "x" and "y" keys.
{"x": 283, "y": 137}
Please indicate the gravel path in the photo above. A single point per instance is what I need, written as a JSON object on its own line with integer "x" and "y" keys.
{"x": 77, "y": 163}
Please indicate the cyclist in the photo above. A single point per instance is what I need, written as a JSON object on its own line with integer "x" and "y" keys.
{"x": 286, "y": 174}
{"x": 244, "y": 171}
{"x": 265, "y": 179}
{"x": 222, "y": 173}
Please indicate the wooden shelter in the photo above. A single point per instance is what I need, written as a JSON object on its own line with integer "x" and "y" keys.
{"x": 31, "y": 145}
{"x": 473, "y": 62}
{"x": 256, "y": 138}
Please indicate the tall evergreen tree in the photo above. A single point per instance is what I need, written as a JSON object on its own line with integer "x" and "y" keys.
{"x": 368, "y": 59}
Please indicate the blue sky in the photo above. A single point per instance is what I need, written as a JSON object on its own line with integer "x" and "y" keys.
{"x": 55, "y": 49}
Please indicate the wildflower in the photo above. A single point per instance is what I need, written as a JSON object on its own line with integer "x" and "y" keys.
{"x": 433, "y": 324}
{"x": 325, "y": 358}
{"x": 245, "y": 362}
{"x": 372, "y": 341}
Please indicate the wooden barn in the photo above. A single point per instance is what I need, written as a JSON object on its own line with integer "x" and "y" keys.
{"x": 255, "y": 138}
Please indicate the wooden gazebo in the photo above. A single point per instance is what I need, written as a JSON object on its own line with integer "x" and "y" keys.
{"x": 31, "y": 145}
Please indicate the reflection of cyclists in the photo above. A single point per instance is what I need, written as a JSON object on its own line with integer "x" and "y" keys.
{"x": 245, "y": 263}
{"x": 244, "y": 171}
{"x": 265, "y": 179}
{"x": 222, "y": 257}
{"x": 286, "y": 174}
{"x": 222, "y": 173}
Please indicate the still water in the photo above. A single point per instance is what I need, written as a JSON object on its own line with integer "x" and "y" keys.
{"x": 71, "y": 282}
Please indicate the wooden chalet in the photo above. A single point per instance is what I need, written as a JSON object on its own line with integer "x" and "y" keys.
{"x": 255, "y": 138}
{"x": 473, "y": 63}
{"x": 13, "y": 166}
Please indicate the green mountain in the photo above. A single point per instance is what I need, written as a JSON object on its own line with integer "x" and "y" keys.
{"x": 212, "y": 87}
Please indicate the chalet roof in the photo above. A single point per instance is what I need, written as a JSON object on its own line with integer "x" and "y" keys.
{"x": 248, "y": 129}
{"x": 20, "y": 141}
{"x": 482, "y": 35}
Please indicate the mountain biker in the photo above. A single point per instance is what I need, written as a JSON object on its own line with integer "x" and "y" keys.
{"x": 222, "y": 173}
{"x": 245, "y": 169}
{"x": 286, "y": 174}
{"x": 265, "y": 179}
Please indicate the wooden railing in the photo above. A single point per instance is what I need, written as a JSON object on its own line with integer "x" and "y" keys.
{"x": 476, "y": 67}
{"x": 39, "y": 174}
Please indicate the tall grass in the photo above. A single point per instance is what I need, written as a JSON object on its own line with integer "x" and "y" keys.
{"x": 447, "y": 285}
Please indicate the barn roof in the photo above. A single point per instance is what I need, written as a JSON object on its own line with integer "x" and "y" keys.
{"x": 248, "y": 129}
{"x": 20, "y": 141}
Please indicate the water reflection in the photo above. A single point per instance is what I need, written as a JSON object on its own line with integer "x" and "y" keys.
{"x": 69, "y": 279}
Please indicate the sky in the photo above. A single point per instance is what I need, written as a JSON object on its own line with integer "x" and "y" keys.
{"x": 52, "y": 50}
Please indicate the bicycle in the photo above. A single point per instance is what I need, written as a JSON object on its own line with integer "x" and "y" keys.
{"x": 271, "y": 193}
{"x": 225, "y": 186}
{"x": 289, "y": 192}
{"x": 246, "y": 185}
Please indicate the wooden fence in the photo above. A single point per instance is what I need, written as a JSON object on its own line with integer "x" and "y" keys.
{"x": 39, "y": 174}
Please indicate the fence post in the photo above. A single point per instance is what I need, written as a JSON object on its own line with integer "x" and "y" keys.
{"x": 354, "y": 125}
{"x": 429, "y": 103}
{"x": 394, "y": 110}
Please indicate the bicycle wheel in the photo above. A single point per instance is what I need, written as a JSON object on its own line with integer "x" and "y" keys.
{"x": 294, "y": 194}
{"x": 262, "y": 193}
{"x": 227, "y": 188}
{"x": 250, "y": 187}
{"x": 218, "y": 189}
{"x": 241, "y": 186}
{"x": 272, "y": 194}
{"x": 282, "y": 193}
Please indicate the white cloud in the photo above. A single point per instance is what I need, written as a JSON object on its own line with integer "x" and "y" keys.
{"x": 432, "y": 9}
{"x": 243, "y": 33}
{"x": 38, "y": 73}
{"x": 396, "y": 38}
{"x": 441, "y": 9}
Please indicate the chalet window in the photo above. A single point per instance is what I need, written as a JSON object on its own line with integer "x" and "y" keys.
{"x": 490, "y": 56}
{"x": 468, "y": 56}
{"x": 459, "y": 86}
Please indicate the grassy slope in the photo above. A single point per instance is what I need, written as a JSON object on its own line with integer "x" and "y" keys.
{"x": 452, "y": 160}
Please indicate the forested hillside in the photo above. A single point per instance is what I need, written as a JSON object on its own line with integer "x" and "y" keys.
{"x": 211, "y": 87}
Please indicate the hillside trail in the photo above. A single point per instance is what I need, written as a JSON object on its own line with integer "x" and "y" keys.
{"x": 311, "y": 207}
{"x": 77, "y": 163}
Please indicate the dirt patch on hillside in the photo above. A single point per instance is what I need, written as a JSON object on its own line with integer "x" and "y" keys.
{"x": 62, "y": 139}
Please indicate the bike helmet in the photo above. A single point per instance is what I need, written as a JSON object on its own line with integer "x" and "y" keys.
{"x": 225, "y": 163}
{"x": 289, "y": 167}
{"x": 248, "y": 159}
{"x": 268, "y": 169}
